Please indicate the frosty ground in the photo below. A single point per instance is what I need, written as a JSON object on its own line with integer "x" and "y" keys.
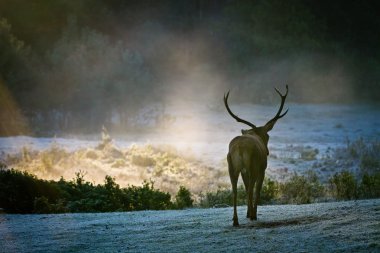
{"x": 352, "y": 226}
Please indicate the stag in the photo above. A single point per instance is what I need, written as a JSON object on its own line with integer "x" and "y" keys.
{"x": 248, "y": 155}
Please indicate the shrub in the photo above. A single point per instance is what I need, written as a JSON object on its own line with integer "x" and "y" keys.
{"x": 301, "y": 189}
{"x": 343, "y": 186}
{"x": 269, "y": 191}
{"x": 19, "y": 190}
{"x": 370, "y": 163}
{"x": 146, "y": 198}
{"x": 367, "y": 152}
{"x": 41, "y": 205}
{"x": 223, "y": 197}
{"x": 183, "y": 198}
{"x": 369, "y": 186}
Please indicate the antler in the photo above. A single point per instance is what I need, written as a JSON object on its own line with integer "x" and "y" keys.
{"x": 279, "y": 115}
{"x": 233, "y": 115}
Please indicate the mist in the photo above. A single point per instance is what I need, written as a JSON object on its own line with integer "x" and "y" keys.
{"x": 119, "y": 62}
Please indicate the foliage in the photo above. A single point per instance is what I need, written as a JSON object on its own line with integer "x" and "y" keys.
{"x": 269, "y": 191}
{"x": 369, "y": 186}
{"x": 146, "y": 198}
{"x": 13, "y": 53}
{"x": 119, "y": 81}
{"x": 21, "y": 192}
{"x": 343, "y": 185}
{"x": 13, "y": 80}
{"x": 367, "y": 152}
{"x": 183, "y": 198}
{"x": 223, "y": 197}
{"x": 301, "y": 189}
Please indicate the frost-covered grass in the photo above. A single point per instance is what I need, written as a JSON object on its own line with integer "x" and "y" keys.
{"x": 161, "y": 164}
{"x": 324, "y": 227}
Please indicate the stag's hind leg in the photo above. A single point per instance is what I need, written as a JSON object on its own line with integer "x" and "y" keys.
{"x": 251, "y": 209}
{"x": 249, "y": 192}
{"x": 234, "y": 176}
{"x": 259, "y": 184}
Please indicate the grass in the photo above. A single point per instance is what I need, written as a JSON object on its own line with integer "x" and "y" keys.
{"x": 164, "y": 164}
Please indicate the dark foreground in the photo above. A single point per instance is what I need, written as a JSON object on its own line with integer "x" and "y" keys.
{"x": 352, "y": 226}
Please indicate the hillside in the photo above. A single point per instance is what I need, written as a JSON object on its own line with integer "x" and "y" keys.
{"x": 352, "y": 226}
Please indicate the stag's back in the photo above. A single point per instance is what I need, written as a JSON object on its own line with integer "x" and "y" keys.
{"x": 248, "y": 152}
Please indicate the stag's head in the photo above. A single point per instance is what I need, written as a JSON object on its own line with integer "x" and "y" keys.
{"x": 261, "y": 131}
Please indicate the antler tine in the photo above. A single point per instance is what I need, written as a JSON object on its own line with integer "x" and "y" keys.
{"x": 279, "y": 93}
{"x": 283, "y": 98}
{"x": 233, "y": 115}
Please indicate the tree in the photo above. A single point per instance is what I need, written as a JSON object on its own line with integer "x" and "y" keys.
{"x": 183, "y": 198}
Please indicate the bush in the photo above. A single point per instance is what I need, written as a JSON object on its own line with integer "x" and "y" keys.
{"x": 369, "y": 186}
{"x": 367, "y": 152}
{"x": 301, "y": 189}
{"x": 21, "y": 192}
{"x": 183, "y": 198}
{"x": 269, "y": 191}
{"x": 41, "y": 205}
{"x": 146, "y": 198}
{"x": 223, "y": 197}
{"x": 343, "y": 186}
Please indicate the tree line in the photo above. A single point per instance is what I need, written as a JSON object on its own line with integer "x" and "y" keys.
{"x": 22, "y": 192}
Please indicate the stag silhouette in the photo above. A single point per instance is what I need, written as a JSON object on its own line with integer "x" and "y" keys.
{"x": 248, "y": 155}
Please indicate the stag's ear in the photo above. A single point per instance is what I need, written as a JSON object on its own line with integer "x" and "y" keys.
{"x": 269, "y": 126}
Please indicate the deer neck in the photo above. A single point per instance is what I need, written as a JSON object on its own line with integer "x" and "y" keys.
{"x": 246, "y": 133}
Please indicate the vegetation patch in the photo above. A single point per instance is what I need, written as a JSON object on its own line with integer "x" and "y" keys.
{"x": 164, "y": 164}
{"x": 22, "y": 192}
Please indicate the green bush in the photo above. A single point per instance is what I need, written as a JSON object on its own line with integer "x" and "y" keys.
{"x": 343, "y": 186}
{"x": 269, "y": 191}
{"x": 21, "y": 192}
{"x": 369, "y": 186}
{"x": 301, "y": 189}
{"x": 183, "y": 198}
{"x": 146, "y": 198}
{"x": 223, "y": 197}
{"x": 367, "y": 152}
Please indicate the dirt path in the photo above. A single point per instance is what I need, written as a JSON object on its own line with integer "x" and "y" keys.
{"x": 326, "y": 227}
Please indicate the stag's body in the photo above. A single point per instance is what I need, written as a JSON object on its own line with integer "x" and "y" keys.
{"x": 248, "y": 156}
